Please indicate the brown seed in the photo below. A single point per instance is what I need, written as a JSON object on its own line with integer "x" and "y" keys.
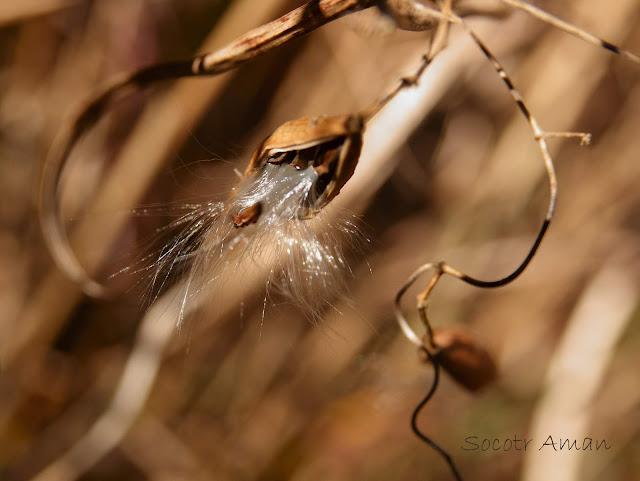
{"x": 248, "y": 216}
{"x": 463, "y": 358}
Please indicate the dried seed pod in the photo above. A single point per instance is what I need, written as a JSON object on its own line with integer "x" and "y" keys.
{"x": 329, "y": 145}
{"x": 463, "y": 358}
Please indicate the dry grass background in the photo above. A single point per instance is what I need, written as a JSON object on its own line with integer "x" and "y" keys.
{"x": 450, "y": 172}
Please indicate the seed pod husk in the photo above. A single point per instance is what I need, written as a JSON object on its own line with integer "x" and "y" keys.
{"x": 330, "y": 145}
{"x": 466, "y": 361}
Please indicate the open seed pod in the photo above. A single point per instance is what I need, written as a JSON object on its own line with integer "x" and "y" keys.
{"x": 463, "y": 358}
{"x": 329, "y": 145}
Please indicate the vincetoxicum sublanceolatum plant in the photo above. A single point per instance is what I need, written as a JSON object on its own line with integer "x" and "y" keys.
{"x": 303, "y": 165}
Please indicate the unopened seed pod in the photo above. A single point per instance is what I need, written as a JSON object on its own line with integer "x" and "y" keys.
{"x": 329, "y": 145}
{"x": 463, "y": 358}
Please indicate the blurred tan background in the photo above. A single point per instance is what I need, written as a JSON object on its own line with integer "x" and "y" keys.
{"x": 106, "y": 390}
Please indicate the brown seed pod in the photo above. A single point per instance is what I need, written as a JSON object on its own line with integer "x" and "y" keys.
{"x": 330, "y": 145}
{"x": 463, "y": 358}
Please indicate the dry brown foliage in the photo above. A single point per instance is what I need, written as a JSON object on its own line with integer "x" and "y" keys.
{"x": 450, "y": 172}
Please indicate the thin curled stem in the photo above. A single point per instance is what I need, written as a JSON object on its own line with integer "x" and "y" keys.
{"x": 416, "y": 412}
{"x": 442, "y": 267}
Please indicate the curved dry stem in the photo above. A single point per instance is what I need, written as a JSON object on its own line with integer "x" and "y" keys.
{"x": 406, "y": 329}
{"x": 572, "y": 29}
{"x": 443, "y": 268}
{"x": 258, "y": 41}
{"x": 399, "y": 10}
{"x": 416, "y": 412}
